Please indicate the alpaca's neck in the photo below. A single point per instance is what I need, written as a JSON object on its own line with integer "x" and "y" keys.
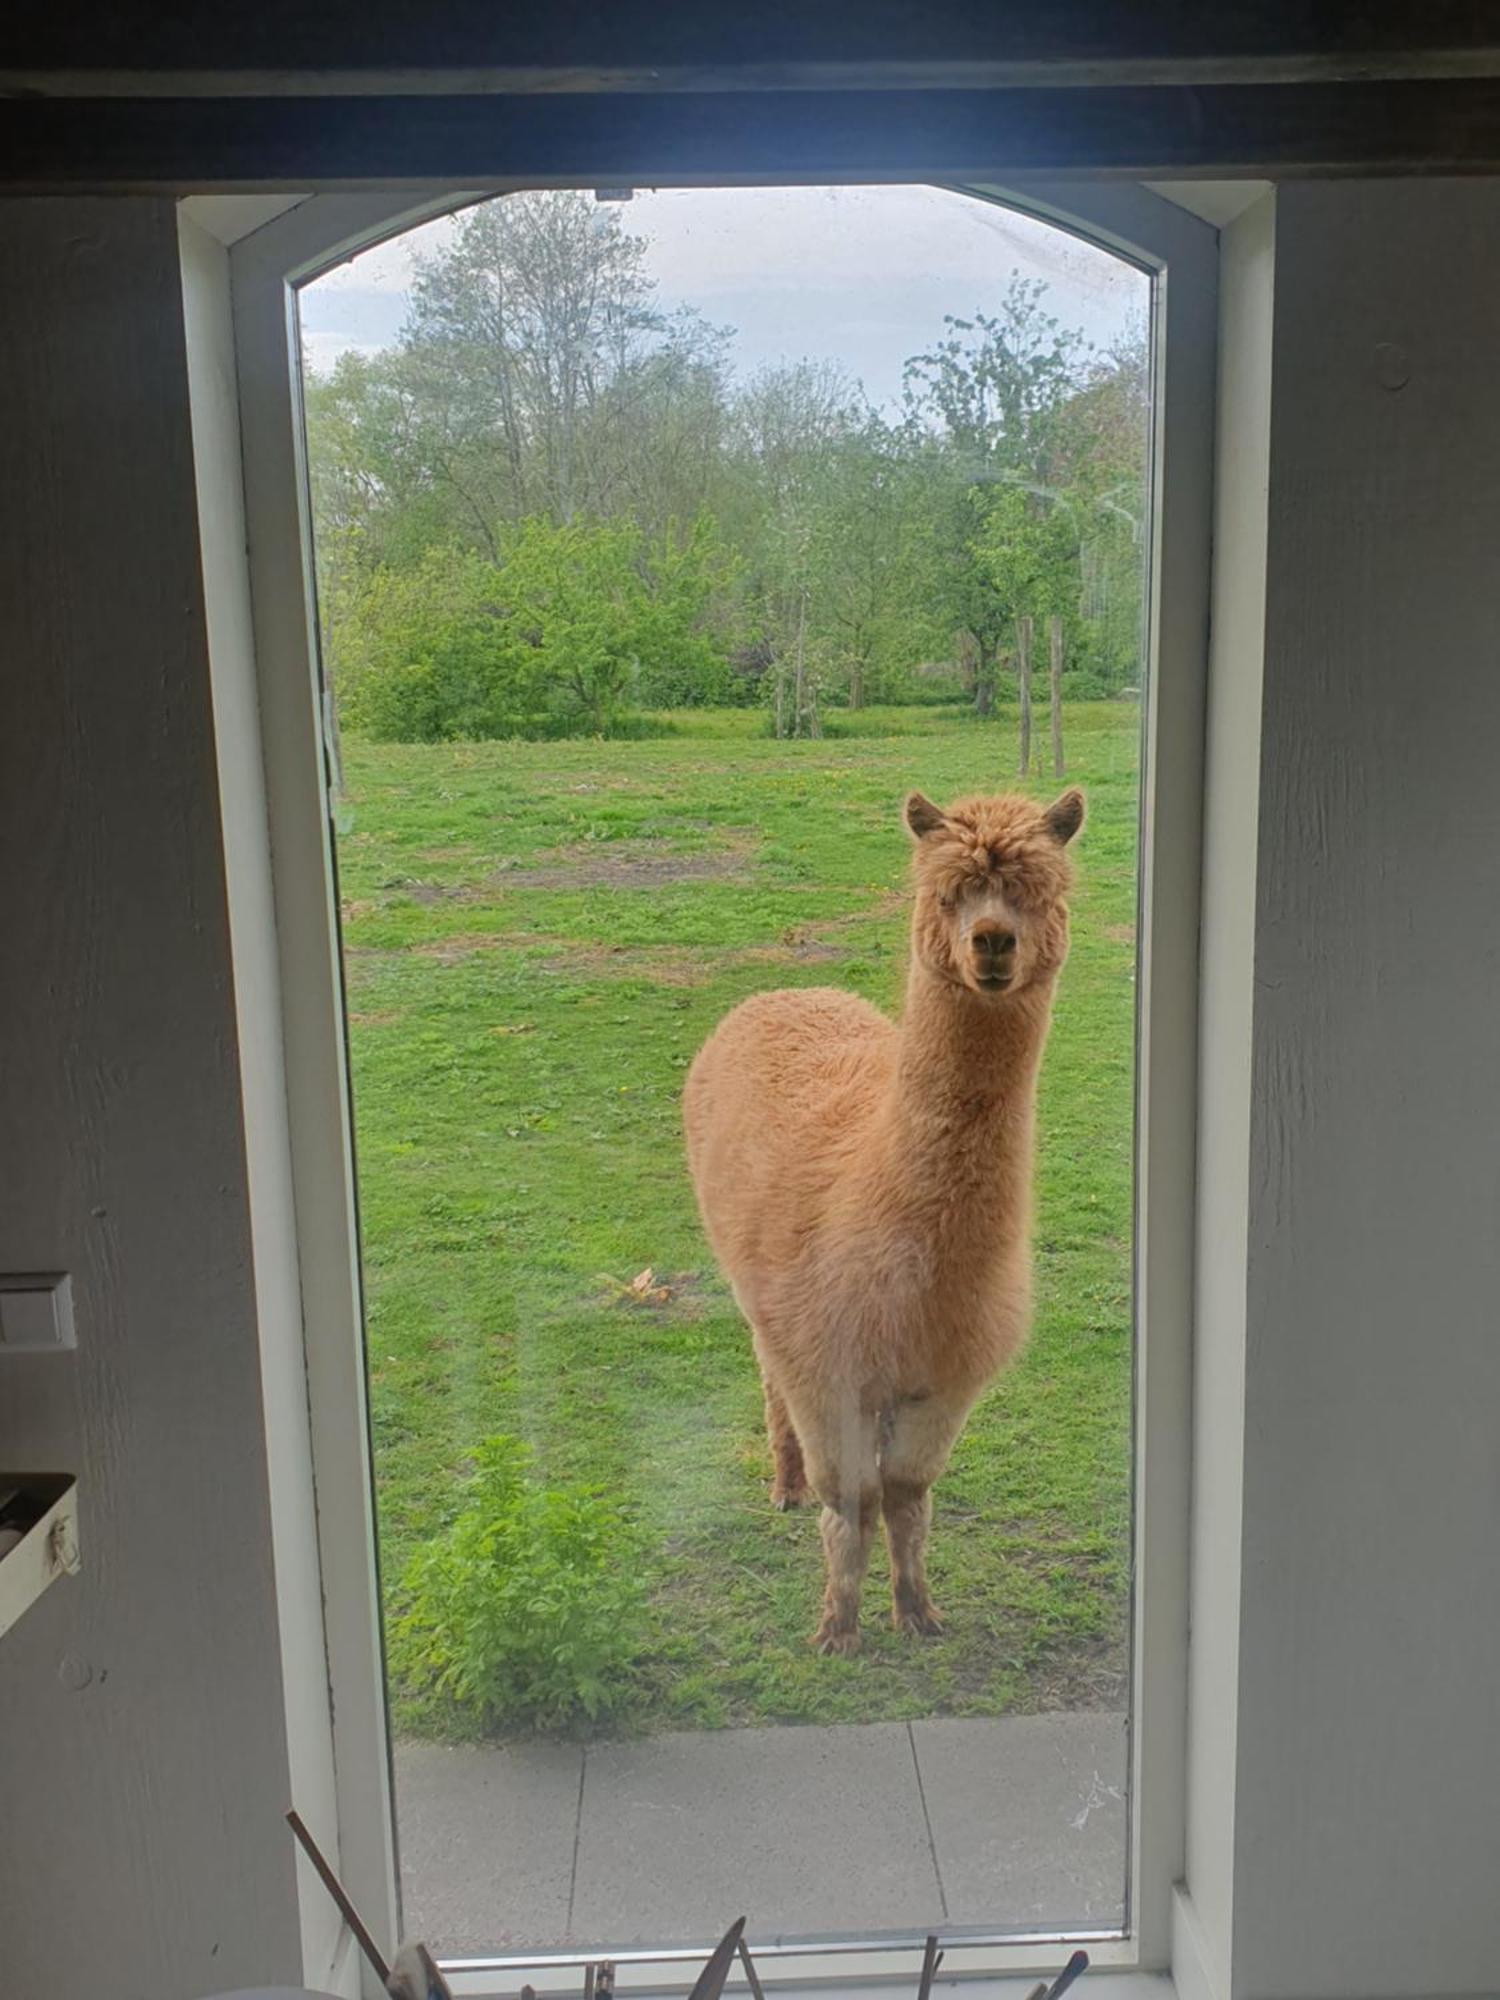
{"x": 963, "y": 1099}
{"x": 965, "y": 1060}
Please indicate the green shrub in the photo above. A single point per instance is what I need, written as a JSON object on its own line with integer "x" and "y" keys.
{"x": 1084, "y": 685}
{"x": 434, "y": 653}
{"x": 571, "y": 631}
{"x": 524, "y": 1613}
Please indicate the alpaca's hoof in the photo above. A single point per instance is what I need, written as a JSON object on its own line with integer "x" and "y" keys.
{"x": 836, "y": 1639}
{"x": 922, "y": 1620}
{"x": 784, "y": 1498}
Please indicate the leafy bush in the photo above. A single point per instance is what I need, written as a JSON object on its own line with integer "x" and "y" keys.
{"x": 574, "y": 626}
{"x": 523, "y": 1613}
{"x": 679, "y": 637}
{"x": 431, "y": 654}
{"x": 1086, "y": 684}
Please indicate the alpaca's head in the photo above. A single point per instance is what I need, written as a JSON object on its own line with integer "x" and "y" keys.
{"x": 991, "y": 879}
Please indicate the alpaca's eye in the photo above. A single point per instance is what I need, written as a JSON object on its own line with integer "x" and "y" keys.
{"x": 949, "y": 903}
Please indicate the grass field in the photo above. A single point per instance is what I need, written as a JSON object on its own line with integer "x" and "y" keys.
{"x": 538, "y": 936}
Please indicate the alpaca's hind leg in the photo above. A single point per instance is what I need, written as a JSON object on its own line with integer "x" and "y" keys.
{"x": 841, "y": 1464}
{"x": 913, "y": 1453}
{"x": 789, "y": 1480}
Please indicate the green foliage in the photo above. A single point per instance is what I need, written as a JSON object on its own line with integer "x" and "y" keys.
{"x": 1035, "y": 453}
{"x": 682, "y": 616}
{"x": 526, "y": 1611}
{"x": 1085, "y": 684}
{"x": 1026, "y": 548}
{"x": 866, "y": 589}
{"x": 571, "y": 630}
{"x": 995, "y": 383}
{"x": 433, "y": 653}
{"x": 503, "y": 498}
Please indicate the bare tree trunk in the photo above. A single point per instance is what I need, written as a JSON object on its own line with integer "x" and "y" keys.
{"x": 1023, "y": 667}
{"x": 1055, "y": 639}
{"x": 856, "y": 683}
{"x": 984, "y": 680}
{"x": 805, "y": 706}
{"x": 799, "y": 685}
{"x": 780, "y": 696}
{"x": 968, "y": 663}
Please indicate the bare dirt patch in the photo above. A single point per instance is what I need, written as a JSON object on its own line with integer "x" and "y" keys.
{"x": 680, "y": 965}
{"x": 589, "y": 864}
{"x": 621, "y": 864}
{"x": 663, "y": 965}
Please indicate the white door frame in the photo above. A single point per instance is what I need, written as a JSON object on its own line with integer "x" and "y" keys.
{"x": 1180, "y": 251}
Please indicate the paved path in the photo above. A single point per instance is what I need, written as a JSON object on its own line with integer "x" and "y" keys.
{"x": 886, "y": 1826}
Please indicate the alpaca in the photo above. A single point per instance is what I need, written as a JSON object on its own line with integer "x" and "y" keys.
{"x": 865, "y": 1185}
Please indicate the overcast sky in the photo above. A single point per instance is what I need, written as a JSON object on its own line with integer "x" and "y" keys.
{"x": 857, "y": 275}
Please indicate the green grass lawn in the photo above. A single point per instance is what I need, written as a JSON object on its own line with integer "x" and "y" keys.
{"x": 538, "y": 937}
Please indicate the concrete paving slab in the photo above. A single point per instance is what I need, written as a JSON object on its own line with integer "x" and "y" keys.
{"x": 807, "y": 1830}
{"x": 804, "y": 1830}
{"x": 1028, "y": 1817}
{"x": 486, "y": 1839}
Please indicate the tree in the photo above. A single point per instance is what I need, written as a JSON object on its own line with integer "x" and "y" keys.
{"x": 534, "y": 375}
{"x": 384, "y": 479}
{"x": 1026, "y": 549}
{"x": 869, "y": 614}
{"x": 787, "y": 421}
{"x": 1101, "y": 462}
{"x": 958, "y": 588}
{"x": 539, "y": 335}
{"x": 523, "y": 315}
{"x": 986, "y": 403}
{"x": 994, "y": 385}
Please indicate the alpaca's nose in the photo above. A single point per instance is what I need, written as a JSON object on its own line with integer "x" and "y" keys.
{"x": 994, "y": 941}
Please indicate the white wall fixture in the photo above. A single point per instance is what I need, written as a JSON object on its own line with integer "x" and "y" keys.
{"x": 38, "y": 1537}
{"x": 36, "y": 1312}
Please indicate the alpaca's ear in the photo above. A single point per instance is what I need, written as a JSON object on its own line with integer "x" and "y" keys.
{"x": 922, "y": 816}
{"x": 1065, "y": 815}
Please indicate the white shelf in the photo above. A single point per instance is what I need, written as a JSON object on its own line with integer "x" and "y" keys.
{"x": 44, "y": 1505}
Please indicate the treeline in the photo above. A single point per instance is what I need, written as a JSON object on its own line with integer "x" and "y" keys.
{"x": 551, "y": 506}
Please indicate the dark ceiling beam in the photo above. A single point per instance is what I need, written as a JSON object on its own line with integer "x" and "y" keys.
{"x": 454, "y": 47}
{"x": 274, "y": 143}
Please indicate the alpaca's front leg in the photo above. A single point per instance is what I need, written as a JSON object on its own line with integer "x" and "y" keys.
{"x": 916, "y": 1450}
{"x": 908, "y": 1515}
{"x": 848, "y": 1531}
{"x": 841, "y": 1465}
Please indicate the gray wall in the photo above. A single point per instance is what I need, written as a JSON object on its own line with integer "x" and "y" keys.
{"x": 143, "y": 1762}
{"x": 1367, "y": 1839}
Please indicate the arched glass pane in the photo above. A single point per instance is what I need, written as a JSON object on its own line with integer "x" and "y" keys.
{"x": 664, "y": 547}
